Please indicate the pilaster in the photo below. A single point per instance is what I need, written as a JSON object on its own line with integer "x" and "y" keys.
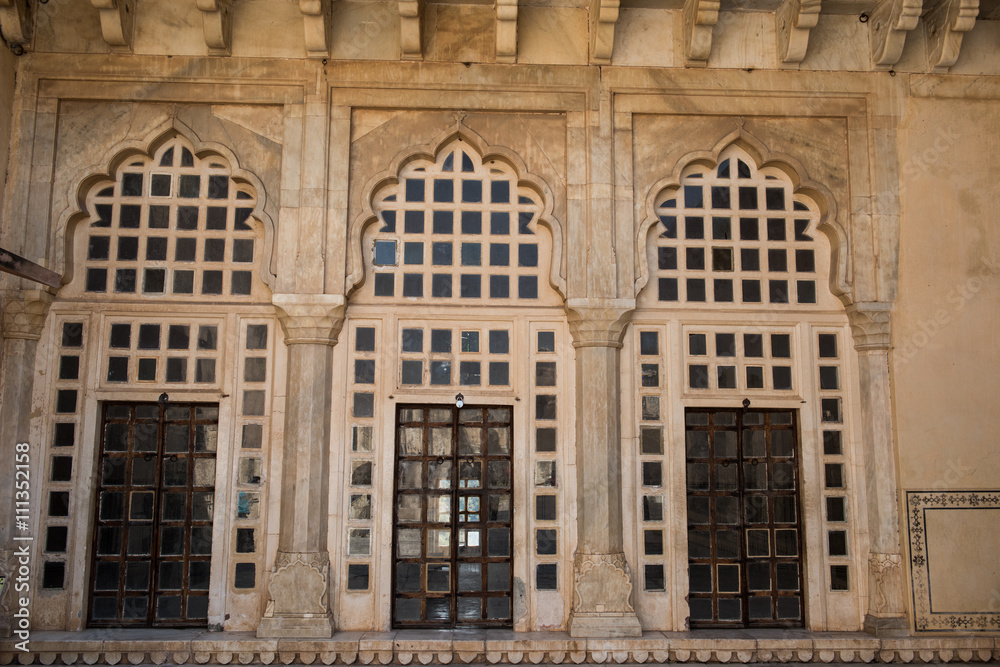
{"x": 602, "y": 582}
{"x": 299, "y": 586}
{"x": 871, "y": 326}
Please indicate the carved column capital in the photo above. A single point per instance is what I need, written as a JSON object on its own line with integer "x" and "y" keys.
{"x": 871, "y": 324}
{"x": 598, "y": 322}
{"x": 310, "y": 318}
{"x": 24, "y": 313}
{"x": 15, "y": 21}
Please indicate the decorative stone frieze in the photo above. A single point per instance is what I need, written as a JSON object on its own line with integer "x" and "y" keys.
{"x": 16, "y": 21}
{"x": 217, "y": 18}
{"x": 598, "y": 323}
{"x": 871, "y": 324}
{"x": 410, "y": 33}
{"x": 314, "y": 318}
{"x": 795, "y": 19}
{"x": 24, "y": 313}
{"x": 700, "y": 17}
{"x": 946, "y": 25}
{"x": 506, "y": 31}
{"x": 117, "y": 20}
{"x": 316, "y": 21}
{"x": 603, "y": 18}
{"x": 890, "y": 21}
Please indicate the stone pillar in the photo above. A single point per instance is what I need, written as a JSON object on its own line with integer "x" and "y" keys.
{"x": 886, "y": 614}
{"x": 602, "y": 583}
{"x": 299, "y": 587}
{"x": 23, "y": 318}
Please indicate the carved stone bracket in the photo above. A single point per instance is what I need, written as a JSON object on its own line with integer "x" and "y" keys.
{"x": 598, "y": 323}
{"x": 310, "y": 318}
{"x": 700, "y": 17}
{"x": 117, "y": 20}
{"x": 946, "y": 24}
{"x": 886, "y": 583}
{"x": 15, "y": 21}
{"x": 871, "y": 324}
{"x": 298, "y": 591}
{"x": 506, "y": 31}
{"x": 890, "y": 21}
{"x": 795, "y": 18}
{"x": 603, "y": 17}
{"x": 602, "y": 597}
{"x": 410, "y": 39}
{"x": 217, "y": 16}
{"x": 316, "y": 20}
{"x": 24, "y": 313}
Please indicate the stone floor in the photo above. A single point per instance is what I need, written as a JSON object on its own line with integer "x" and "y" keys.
{"x": 160, "y": 646}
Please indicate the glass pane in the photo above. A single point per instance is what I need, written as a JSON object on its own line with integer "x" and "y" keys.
{"x": 411, "y": 441}
{"x": 440, "y": 444}
{"x": 408, "y": 509}
{"x": 470, "y": 577}
{"x": 470, "y": 440}
{"x": 408, "y": 542}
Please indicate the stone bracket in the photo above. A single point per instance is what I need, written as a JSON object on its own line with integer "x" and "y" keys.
{"x": 598, "y": 322}
{"x": 317, "y": 23}
{"x": 310, "y": 318}
{"x": 603, "y": 18}
{"x": 218, "y": 23}
{"x": 890, "y": 21}
{"x": 24, "y": 313}
{"x": 506, "y": 31}
{"x": 117, "y": 21}
{"x": 945, "y": 26}
{"x": 871, "y": 324}
{"x": 15, "y": 21}
{"x": 795, "y": 19}
{"x": 410, "y": 33}
{"x": 700, "y": 17}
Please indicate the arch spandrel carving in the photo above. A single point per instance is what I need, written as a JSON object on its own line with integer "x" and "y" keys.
{"x": 812, "y": 194}
{"x": 431, "y": 154}
{"x": 119, "y": 156}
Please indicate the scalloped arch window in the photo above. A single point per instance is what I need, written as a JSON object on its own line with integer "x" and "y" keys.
{"x": 173, "y": 225}
{"x": 736, "y": 234}
{"x": 458, "y": 230}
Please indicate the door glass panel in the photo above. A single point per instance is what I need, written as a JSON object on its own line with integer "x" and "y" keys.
{"x": 452, "y": 546}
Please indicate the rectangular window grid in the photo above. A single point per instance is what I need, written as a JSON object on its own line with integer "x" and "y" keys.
{"x": 651, "y": 525}
{"x": 737, "y": 359}
{"x": 149, "y": 351}
{"x": 450, "y": 355}
{"x": 548, "y": 516}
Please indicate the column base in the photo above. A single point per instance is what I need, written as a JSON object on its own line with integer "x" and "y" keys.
{"x": 887, "y": 626}
{"x": 306, "y": 626}
{"x": 596, "y": 624}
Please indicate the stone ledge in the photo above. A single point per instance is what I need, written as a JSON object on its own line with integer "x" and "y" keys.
{"x": 196, "y": 647}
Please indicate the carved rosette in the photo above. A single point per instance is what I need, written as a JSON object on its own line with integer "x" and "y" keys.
{"x": 871, "y": 324}
{"x": 24, "y": 313}
{"x": 299, "y": 585}
{"x": 885, "y": 580}
{"x": 599, "y": 325}
{"x": 310, "y": 318}
{"x": 603, "y": 584}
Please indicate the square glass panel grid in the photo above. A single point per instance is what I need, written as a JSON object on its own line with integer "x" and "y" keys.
{"x": 172, "y": 224}
{"x": 459, "y": 231}
{"x": 156, "y": 351}
{"x": 446, "y": 354}
{"x": 452, "y": 509}
{"x": 740, "y": 359}
{"x": 737, "y": 235}
{"x": 744, "y": 518}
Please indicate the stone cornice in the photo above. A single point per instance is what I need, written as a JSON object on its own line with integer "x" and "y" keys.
{"x": 598, "y": 322}
{"x": 310, "y": 318}
{"x": 871, "y": 324}
{"x": 24, "y": 313}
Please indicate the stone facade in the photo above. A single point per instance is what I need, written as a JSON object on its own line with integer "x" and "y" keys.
{"x": 287, "y": 226}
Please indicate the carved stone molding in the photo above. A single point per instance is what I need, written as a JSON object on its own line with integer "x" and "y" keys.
{"x": 15, "y": 21}
{"x": 598, "y": 323}
{"x": 410, "y": 37}
{"x": 886, "y": 584}
{"x": 890, "y": 21}
{"x": 316, "y": 21}
{"x": 310, "y": 318}
{"x": 506, "y": 31}
{"x": 24, "y": 313}
{"x": 217, "y": 17}
{"x": 795, "y": 18}
{"x": 117, "y": 20}
{"x": 700, "y": 17}
{"x": 298, "y": 597}
{"x": 945, "y": 25}
{"x": 603, "y": 17}
{"x": 871, "y": 324}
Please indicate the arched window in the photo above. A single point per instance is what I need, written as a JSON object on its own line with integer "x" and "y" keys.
{"x": 174, "y": 224}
